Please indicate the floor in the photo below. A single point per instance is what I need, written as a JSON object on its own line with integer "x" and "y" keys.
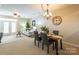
{"x": 12, "y": 45}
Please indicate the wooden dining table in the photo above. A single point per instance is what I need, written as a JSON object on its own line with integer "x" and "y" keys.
{"x": 56, "y": 38}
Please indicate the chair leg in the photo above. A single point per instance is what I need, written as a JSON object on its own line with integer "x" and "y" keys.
{"x": 47, "y": 49}
{"x": 35, "y": 42}
{"x": 53, "y": 46}
{"x": 0, "y": 41}
{"x": 42, "y": 46}
{"x": 38, "y": 44}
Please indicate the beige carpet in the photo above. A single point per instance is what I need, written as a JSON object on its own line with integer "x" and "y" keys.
{"x": 25, "y": 46}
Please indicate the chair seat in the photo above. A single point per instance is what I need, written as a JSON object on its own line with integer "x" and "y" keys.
{"x": 39, "y": 39}
{"x": 49, "y": 42}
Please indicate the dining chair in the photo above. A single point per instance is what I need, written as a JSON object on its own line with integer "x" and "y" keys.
{"x": 45, "y": 41}
{"x": 56, "y": 32}
{"x": 37, "y": 38}
{"x": 1, "y": 35}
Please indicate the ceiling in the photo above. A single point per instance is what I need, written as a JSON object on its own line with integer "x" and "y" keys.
{"x": 27, "y": 10}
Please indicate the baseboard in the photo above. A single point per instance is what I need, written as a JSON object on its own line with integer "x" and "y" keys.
{"x": 75, "y": 45}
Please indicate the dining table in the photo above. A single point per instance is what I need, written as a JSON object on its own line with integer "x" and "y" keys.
{"x": 56, "y": 39}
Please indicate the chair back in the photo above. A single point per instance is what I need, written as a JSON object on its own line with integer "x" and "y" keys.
{"x": 1, "y": 34}
{"x": 56, "y": 32}
{"x": 36, "y": 35}
{"x": 44, "y": 38}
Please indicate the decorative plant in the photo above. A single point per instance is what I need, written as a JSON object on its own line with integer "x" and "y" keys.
{"x": 28, "y": 26}
{"x": 44, "y": 28}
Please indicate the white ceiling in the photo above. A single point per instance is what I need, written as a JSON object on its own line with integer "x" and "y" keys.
{"x": 26, "y": 10}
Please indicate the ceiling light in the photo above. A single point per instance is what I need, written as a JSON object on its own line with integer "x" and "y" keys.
{"x": 47, "y": 12}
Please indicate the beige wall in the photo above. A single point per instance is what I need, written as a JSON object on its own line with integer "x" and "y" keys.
{"x": 70, "y": 23}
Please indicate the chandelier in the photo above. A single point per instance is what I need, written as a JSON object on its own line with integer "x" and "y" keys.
{"x": 47, "y": 13}
{"x": 16, "y": 13}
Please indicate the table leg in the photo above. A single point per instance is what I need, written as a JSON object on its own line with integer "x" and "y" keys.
{"x": 53, "y": 46}
{"x": 56, "y": 46}
{"x": 61, "y": 44}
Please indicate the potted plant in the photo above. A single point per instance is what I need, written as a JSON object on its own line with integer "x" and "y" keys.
{"x": 28, "y": 26}
{"x": 45, "y": 29}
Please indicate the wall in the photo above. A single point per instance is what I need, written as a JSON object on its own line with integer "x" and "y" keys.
{"x": 70, "y": 24}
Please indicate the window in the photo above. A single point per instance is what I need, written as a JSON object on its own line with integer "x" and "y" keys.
{"x": 13, "y": 27}
{"x": 6, "y": 27}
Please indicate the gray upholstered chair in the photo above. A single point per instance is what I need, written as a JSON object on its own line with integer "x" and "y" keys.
{"x": 37, "y": 38}
{"x": 46, "y": 41}
{"x": 56, "y": 32}
{"x": 1, "y": 35}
